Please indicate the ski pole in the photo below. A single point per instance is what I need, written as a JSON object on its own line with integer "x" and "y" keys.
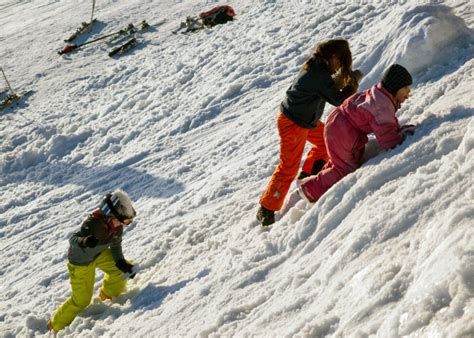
{"x": 70, "y": 48}
{"x": 6, "y": 80}
{"x": 131, "y": 28}
{"x": 93, "y": 7}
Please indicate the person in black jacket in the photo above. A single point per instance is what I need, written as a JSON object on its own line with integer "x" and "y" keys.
{"x": 326, "y": 76}
{"x": 98, "y": 244}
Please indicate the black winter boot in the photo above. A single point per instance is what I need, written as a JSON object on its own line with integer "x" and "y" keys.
{"x": 302, "y": 175}
{"x": 317, "y": 167}
{"x": 265, "y": 216}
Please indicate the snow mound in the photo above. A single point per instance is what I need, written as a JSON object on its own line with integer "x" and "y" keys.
{"x": 43, "y": 145}
{"x": 416, "y": 38}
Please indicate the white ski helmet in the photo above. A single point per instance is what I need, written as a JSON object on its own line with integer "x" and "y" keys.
{"x": 118, "y": 204}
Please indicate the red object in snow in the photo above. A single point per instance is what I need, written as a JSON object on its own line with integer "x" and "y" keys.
{"x": 228, "y": 10}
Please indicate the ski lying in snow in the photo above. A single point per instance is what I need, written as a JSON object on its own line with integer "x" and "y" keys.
{"x": 73, "y": 47}
{"x": 182, "y": 26}
{"x": 119, "y": 35}
{"x": 130, "y": 44}
{"x": 122, "y": 35}
{"x": 127, "y": 32}
{"x": 85, "y": 27}
{"x": 12, "y": 99}
{"x": 191, "y": 24}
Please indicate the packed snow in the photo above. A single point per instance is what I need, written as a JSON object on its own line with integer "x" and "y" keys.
{"x": 186, "y": 124}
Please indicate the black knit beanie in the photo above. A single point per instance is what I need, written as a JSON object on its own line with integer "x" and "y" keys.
{"x": 396, "y": 77}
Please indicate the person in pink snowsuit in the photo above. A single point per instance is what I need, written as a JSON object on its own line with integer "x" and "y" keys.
{"x": 347, "y": 127}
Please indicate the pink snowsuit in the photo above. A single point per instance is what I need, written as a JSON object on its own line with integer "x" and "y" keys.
{"x": 345, "y": 135}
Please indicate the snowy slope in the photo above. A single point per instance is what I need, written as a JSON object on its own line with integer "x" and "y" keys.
{"x": 186, "y": 125}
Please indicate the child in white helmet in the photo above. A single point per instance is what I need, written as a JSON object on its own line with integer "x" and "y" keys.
{"x": 98, "y": 244}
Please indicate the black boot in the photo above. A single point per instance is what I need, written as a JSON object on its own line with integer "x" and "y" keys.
{"x": 302, "y": 175}
{"x": 265, "y": 216}
{"x": 317, "y": 167}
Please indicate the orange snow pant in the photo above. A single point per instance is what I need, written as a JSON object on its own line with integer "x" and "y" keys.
{"x": 82, "y": 282}
{"x": 292, "y": 142}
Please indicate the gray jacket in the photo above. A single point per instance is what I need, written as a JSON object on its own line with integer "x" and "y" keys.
{"x": 96, "y": 225}
{"x": 305, "y": 99}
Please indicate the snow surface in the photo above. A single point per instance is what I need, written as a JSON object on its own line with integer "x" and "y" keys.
{"x": 187, "y": 125}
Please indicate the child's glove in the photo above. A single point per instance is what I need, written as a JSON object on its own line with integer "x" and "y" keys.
{"x": 88, "y": 242}
{"x": 406, "y": 130}
{"x": 125, "y": 267}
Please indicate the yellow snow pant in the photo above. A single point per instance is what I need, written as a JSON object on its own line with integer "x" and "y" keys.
{"x": 82, "y": 282}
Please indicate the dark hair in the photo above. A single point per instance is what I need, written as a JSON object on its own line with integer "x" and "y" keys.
{"x": 339, "y": 48}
